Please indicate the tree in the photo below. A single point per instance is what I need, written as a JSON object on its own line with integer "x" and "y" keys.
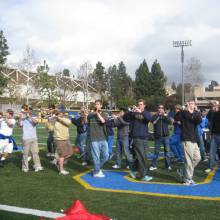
{"x": 85, "y": 75}
{"x": 99, "y": 78}
{"x": 3, "y": 83}
{"x": 173, "y": 86}
{"x": 158, "y": 80}
{"x": 120, "y": 84}
{"x": 193, "y": 72}
{"x": 142, "y": 81}
{"x": 46, "y": 84}
{"x": 3, "y": 49}
{"x": 66, "y": 72}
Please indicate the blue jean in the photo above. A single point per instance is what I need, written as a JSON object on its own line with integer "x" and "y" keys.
{"x": 158, "y": 142}
{"x": 81, "y": 142}
{"x": 123, "y": 145}
{"x": 176, "y": 146}
{"x": 99, "y": 151}
{"x": 201, "y": 147}
{"x": 215, "y": 142}
{"x": 110, "y": 141}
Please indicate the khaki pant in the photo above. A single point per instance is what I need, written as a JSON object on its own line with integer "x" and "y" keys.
{"x": 30, "y": 148}
{"x": 192, "y": 158}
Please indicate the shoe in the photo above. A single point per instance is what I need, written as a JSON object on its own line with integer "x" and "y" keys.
{"x": 116, "y": 166}
{"x": 127, "y": 167}
{"x": 146, "y": 178}
{"x": 133, "y": 174}
{"x": 3, "y": 158}
{"x": 205, "y": 160}
{"x": 52, "y": 155}
{"x": 29, "y": 158}
{"x": 48, "y": 155}
{"x": 169, "y": 168}
{"x": 208, "y": 170}
{"x": 25, "y": 170}
{"x": 38, "y": 169}
{"x": 100, "y": 174}
{"x": 84, "y": 163}
{"x": 64, "y": 172}
{"x": 152, "y": 168}
{"x": 193, "y": 183}
{"x": 54, "y": 161}
{"x": 190, "y": 183}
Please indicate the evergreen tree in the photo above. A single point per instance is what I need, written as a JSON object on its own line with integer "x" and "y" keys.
{"x": 142, "y": 81}
{"x": 66, "y": 72}
{"x": 173, "y": 86}
{"x": 158, "y": 80}
{"x": 3, "y": 83}
{"x": 3, "y": 49}
{"x": 99, "y": 78}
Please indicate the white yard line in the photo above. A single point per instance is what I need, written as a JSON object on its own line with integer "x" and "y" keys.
{"x": 35, "y": 212}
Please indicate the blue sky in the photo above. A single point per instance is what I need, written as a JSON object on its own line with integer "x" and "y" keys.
{"x": 67, "y": 33}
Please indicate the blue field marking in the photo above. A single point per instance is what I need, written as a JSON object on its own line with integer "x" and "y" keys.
{"x": 118, "y": 181}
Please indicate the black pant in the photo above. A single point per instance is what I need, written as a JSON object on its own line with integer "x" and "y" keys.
{"x": 139, "y": 148}
{"x": 50, "y": 143}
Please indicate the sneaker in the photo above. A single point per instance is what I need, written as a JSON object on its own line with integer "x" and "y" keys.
{"x": 64, "y": 172}
{"x": 169, "y": 168}
{"x": 193, "y": 183}
{"x": 29, "y": 158}
{"x": 116, "y": 166}
{"x": 208, "y": 170}
{"x": 25, "y": 170}
{"x": 100, "y": 174}
{"x": 133, "y": 174}
{"x": 127, "y": 167}
{"x": 190, "y": 183}
{"x": 48, "y": 155}
{"x": 152, "y": 168}
{"x": 205, "y": 160}
{"x": 146, "y": 178}
{"x": 84, "y": 163}
{"x": 54, "y": 161}
{"x": 52, "y": 155}
{"x": 3, "y": 158}
{"x": 37, "y": 169}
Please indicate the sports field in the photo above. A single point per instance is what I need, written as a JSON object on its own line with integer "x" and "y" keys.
{"x": 48, "y": 190}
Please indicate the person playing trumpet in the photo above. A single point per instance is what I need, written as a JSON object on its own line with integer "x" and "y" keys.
{"x": 60, "y": 127}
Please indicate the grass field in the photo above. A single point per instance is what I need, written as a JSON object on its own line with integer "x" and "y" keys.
{"x": 49, "y": 191}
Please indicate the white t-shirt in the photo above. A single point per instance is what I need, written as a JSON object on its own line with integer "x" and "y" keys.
{"x": 29, "y": 129}
{"x": 5, "y": 129}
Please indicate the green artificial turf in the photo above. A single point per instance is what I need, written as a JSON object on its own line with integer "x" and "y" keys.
{"x": 48, "y": 190}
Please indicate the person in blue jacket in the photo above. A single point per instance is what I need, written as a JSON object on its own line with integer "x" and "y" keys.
{"x": 175, "y": 139}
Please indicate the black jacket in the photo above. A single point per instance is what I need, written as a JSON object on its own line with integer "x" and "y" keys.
{"x": 189, "y": 122}
{"x": 215, "y": 125}
{"x": 161, "y": 123}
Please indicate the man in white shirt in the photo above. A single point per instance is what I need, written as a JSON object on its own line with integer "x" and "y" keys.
{"x": 29, "y": 136}
{"x": 7, "y": 123}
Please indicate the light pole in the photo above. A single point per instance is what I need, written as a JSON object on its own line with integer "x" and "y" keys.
{"x": 182, "y": 44}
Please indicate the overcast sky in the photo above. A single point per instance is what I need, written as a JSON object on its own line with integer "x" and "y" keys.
{"x": 68, "y": 32}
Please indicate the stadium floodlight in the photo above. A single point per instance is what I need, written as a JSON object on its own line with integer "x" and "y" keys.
{"x": 182, "y": 43}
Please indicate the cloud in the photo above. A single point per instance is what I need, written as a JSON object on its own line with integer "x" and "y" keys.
{"x": 68, "y": 32}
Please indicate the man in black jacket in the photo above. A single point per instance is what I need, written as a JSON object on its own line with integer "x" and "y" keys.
{"x": 161, "y": 134}
{"x": 139, "y": 119}
{"x": 189, "y": 119}
{"x": 215, "y": 138}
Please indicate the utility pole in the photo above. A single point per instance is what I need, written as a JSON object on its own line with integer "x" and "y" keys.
{"x": 182, "y": 44}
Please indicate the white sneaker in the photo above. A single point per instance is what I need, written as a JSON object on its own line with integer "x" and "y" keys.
{"x": 127, "y": 167}
{"x": 54, "y": 161}
{"x": 169, "y": 168}
{"x": 64, "y": 172}
{"x": 29, "y": 158}
{"x": 152, "y": 168}
{"x": 84, "y": 163}
{"x": 100, "y": 174}
{"x": 3, "y": 158}
{"x": 25, "y": 170}
{"x": 116, "y": 166}
{"x": 208, "y": 170}
{"x": 48, "y": 155}
{"x": 52, "y": 155}
{"x": 38, "y": 169}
